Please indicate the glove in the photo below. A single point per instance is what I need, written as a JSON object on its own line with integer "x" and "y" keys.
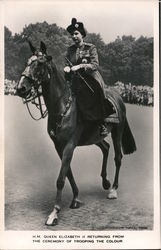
{"x": 67, "y": 69}
{"x": 75, "y": 68}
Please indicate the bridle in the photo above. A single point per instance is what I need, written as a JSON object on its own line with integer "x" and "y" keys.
{"x": 35, "y": 96}
{"x": 36, "y": 93}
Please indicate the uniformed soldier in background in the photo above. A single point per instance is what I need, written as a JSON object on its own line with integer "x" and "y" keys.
{"x": 82, "y": 71}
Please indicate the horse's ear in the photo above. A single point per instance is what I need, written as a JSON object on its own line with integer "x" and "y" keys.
{"x": 33, "y": 49}
{"x": 43, "y": 47}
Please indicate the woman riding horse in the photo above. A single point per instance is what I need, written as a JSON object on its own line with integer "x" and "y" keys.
{"x": 87, "y": 83}
{"x": 66, "y": 128}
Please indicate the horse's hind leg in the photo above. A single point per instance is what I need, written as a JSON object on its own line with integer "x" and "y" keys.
{"x": 104, "y": 146}
{"x": 116, "y": 137}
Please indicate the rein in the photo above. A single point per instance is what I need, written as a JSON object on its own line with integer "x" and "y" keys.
{"x": 63, "y": 114}
{"x": 36, "y": 94}
{"x": 38, "y": 105}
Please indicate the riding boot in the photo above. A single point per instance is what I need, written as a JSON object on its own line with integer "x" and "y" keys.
{"x": 111, "y": 119}
{"x": 103, "y": 129}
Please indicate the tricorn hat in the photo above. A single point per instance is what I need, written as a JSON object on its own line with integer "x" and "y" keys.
{"x": 76, "y": 26}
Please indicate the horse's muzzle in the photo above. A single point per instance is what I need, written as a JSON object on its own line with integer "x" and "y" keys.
{"x": 23, "y": 92}
{"x": 23, "y": 89}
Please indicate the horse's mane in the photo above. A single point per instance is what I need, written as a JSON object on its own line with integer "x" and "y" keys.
{"x": 58, "y": 76}
{"x": 58, "y": 71}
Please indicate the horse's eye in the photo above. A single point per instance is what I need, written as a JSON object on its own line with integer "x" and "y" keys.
{"x": 41, "y": 60}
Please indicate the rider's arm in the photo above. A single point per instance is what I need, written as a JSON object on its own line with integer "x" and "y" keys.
{"x": 93, "y": 63}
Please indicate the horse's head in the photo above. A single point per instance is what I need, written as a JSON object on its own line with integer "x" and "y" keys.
{"x": 36, "y": 72}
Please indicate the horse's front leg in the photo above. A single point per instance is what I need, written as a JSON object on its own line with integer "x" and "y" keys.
{"x": 65, "y": 167}
{"x": 75, "y": 202}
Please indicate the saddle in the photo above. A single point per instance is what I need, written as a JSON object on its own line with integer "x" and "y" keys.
{"x": 113, "y": 98}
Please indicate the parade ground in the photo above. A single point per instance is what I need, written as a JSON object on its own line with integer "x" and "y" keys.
{"x": 32, "y": 166}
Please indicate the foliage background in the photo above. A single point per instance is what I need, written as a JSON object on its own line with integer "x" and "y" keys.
{"x": 127, "y": 59}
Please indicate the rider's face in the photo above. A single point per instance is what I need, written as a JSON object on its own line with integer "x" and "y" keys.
{"x": 77, "y": 37}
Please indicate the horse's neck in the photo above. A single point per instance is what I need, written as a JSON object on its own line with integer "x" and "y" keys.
{"x": 55, "y": 92}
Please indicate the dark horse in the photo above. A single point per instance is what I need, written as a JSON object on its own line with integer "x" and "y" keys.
{"x": 67, "y": 130}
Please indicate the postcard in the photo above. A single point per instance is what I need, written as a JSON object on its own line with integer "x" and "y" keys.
{"x": 79, "y": 124}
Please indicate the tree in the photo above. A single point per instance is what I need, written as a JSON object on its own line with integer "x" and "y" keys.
{"x": 118, "y": 59}
{"x": 126, "y": 59}
{"x": 142, "y": 61}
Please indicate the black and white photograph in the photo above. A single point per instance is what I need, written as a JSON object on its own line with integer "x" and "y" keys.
{"x": 80, "y": 124}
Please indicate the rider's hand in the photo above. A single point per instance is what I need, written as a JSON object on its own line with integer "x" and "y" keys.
{"x": 75, "y": 68}
{"x": 67, "y": 69}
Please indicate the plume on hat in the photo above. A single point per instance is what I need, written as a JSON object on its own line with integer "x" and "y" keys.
{"x": 76, "y": 26}
{"x": 74, "y": 21}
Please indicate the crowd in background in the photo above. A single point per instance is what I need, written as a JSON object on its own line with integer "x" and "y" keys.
{"x": 10, "y": 87}
{"x": 141, "y": 95}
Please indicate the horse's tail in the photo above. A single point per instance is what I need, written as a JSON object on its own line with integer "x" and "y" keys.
{"x": 128, "y": 141}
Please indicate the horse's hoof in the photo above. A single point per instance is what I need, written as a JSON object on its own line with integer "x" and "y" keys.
{"x": 112, "y": 194}
{"x": 106, "y": 184}
{"x": 53, "y": 222}
{"x": 75, "y": 204}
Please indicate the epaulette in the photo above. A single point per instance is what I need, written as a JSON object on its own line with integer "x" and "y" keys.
{"x": 88, "y": 44}
{"x": 71, "y": 47}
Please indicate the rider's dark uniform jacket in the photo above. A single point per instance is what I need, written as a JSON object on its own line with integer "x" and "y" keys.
{"x": 91, "y": 105}
{"x": 87, "y": 57}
